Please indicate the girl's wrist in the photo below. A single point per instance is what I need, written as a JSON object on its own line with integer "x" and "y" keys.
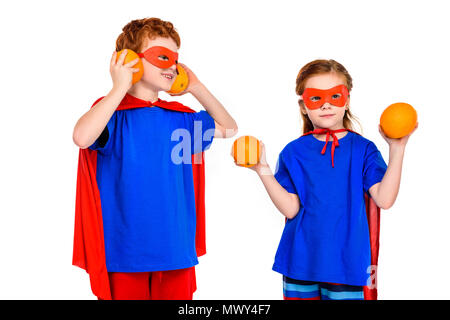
{"x": 396, "y": 148}
{"x": 263, "y": 170}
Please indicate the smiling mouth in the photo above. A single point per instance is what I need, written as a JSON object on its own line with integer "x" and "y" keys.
{"x": 168, "y": 76}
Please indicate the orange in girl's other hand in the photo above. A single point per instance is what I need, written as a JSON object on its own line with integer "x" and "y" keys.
{"x": 398, "y": 120}
{"x": 131, "y": 55}
{"x": 246, "y": 151}
{"x": 181, "y": 81}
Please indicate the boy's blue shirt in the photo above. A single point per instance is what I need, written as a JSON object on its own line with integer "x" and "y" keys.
{"x": 147, "y": 198}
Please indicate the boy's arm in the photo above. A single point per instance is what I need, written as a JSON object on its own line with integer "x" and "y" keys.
{"x": 89, "y": 127}
{"x": 225, "y": 125}
{"x": 92, "y": 123}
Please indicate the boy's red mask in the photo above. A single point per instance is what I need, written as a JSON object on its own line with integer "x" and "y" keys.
{"x": 315, "y": 98}
{"x": 160, "y": 57}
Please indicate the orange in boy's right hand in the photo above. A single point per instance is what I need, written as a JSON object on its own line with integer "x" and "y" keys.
{"x": 131, "y": 55}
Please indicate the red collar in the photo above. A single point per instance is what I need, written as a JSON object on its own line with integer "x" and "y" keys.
{"x": 329, "y": 132}
{"x": 131, "y": 102}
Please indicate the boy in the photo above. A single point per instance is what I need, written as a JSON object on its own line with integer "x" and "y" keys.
{"x": 139, "y": 232}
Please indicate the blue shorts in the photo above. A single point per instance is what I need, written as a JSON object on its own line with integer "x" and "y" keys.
{"x": 310, "y": 290}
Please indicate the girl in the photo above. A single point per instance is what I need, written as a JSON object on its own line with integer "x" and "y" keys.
{"x": 319, "y": 186}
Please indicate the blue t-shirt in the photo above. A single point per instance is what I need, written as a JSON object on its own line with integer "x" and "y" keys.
{"x": 145, "y": 179}
{"x": 328, "y": 240}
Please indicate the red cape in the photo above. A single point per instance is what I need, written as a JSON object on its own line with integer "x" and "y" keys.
{"x": 373, "y": 218}
{"x": 89, "y": 246}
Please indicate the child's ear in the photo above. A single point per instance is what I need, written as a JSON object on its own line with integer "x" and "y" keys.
{"x": 302, "y": 107}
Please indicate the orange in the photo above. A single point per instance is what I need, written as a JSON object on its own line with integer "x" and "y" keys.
{"x": 246, "y": 151}
{"x": 181, "y": 81}
{"x": 398, "y": 120}
{"x": 131, "y": 55}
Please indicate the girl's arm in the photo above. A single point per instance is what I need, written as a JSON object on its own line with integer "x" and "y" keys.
{"x": 287, "y": 203}
{"x": 385, "y": 192}
{"x": 225, "y": 125}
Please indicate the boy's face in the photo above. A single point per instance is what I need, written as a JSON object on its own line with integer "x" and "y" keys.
{"x": 157, "y": 78}
{"x": 328, "y": 115}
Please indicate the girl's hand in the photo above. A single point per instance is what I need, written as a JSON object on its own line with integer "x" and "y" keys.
{"x": 122, "y": 74}
{"x": 261, "y": 168}
{"x": 395, "y": 143}
{"x": 193, "y": 81}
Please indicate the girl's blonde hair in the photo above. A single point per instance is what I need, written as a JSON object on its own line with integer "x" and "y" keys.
{"x": 320, "y": 67}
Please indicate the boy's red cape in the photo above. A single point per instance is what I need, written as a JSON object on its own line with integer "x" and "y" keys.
{"x": 373, "y": 218}
{"x": 89, "y": 246}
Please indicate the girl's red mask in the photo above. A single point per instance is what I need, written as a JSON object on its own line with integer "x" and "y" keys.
{"x": 315, "y": 98}
{"x": 160, "y": 57}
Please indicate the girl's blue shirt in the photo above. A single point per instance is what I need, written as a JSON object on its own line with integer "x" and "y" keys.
{"x": 328, "y": 240}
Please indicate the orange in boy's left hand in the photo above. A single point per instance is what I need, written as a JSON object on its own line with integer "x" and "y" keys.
{"x": 131, "y": 55}
{"x": 181, "y": 81}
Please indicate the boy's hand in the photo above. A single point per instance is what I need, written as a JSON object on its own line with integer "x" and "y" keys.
{"x": 396, "y": 143}
{"x": 261, "y": 168}
{"x": 193, "y": 81}
{"x": 122, "y": 74}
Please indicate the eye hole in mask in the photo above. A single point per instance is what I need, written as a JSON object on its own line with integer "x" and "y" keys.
{"x": 160, "y": 57}
{"x": 316, "y": 98}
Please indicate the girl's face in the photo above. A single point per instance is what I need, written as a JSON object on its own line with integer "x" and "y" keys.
{"x": 156, "y": 78}
{"x": 328, "y": 115}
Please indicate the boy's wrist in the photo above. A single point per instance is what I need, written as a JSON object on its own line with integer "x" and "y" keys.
{"x": 196, "y": 89}
{"x": 120, "y": 90}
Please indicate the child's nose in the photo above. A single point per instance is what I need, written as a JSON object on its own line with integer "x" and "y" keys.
{"x": 173, "y": 68}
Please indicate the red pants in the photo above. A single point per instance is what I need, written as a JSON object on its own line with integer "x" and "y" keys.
{"x": 159, "y": 285}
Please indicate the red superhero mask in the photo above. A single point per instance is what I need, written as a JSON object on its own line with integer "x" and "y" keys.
{"x": 160, "y": 57}
{"x": 315, "y": 98}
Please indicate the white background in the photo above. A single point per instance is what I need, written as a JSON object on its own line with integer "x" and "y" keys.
{"x": 55, "y": 63}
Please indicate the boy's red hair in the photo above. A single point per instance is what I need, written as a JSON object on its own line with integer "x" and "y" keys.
{"x": 136, "y": 32}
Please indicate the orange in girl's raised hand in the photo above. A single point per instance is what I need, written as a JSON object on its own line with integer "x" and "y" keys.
{"x": 398, "y": 120}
